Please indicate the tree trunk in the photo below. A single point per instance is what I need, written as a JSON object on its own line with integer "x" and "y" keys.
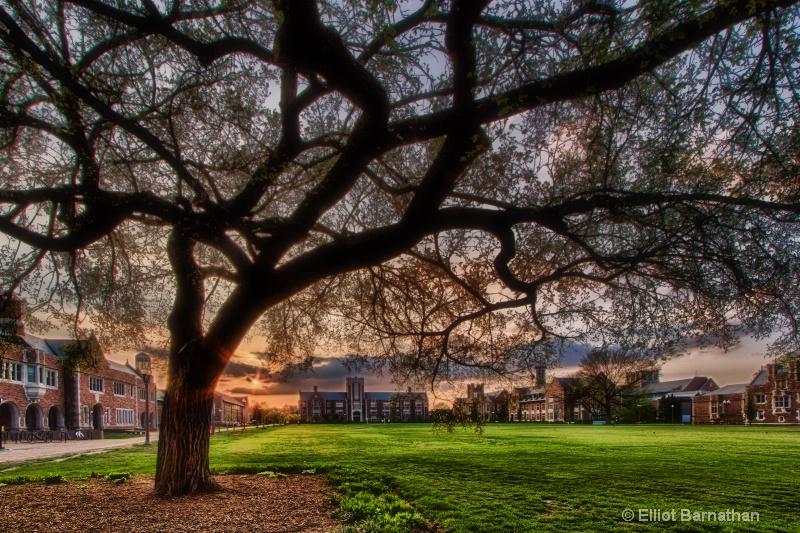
{"x": 182, "y": 466}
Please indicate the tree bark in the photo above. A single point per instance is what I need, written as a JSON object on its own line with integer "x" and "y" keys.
{"x": 183, "y": 449}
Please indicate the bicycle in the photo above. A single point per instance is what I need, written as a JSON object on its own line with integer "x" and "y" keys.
{"x": 40, "y": 436}
{"x": 79, "y": 435}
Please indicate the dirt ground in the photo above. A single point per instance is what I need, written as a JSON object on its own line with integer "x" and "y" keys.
{"x": 247, "y": 504}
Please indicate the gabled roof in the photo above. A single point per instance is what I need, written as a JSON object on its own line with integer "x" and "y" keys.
{"x": 113, "y": 365}
{"x": 695, "y": 383}
{"x": 229, "y": 399}
{"x": 738, "y": 388}
{"x": 762, "y": 376}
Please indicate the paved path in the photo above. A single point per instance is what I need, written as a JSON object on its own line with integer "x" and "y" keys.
{"x": 16, "y": 452}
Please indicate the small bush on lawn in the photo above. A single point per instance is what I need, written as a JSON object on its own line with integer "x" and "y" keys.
{"x": 19, "y": 480}
{"x": 118, "y": 477}
{"x": 53, "y": 479}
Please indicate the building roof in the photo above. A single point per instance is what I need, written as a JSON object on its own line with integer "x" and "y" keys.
{"x": 113, "y": 365}
{"x": 762, "y": 375}
{"x": 738, "y": 388}
{"x": 695, "y": 383}
{"x": 327, "y": 396}
{"x": 229, "y": 399}
{"x": 566, "y": 383}
{"x": 384, "y": 396}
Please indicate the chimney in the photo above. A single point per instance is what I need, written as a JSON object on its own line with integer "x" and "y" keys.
{"x": 771, "y": 370}
{"x": 540, "y": 376}
{"x": 11, "y": 310}
{"x": 315, "y": 388}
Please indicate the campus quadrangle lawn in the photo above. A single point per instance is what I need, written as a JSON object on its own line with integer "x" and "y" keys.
{"x": 530, "y": 477}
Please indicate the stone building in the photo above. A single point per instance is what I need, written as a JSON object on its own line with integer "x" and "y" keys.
{"x": 355, "y": 404}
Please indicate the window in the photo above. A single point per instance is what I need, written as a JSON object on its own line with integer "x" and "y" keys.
{"x": 12, "y": 371}
{"x": 780, "y": 384}
{"x": 714, "y": 408}
{"x": 142, "y": 395}
{"x": 760, "y": 415}
{"x": 761, "y": 398}
{"x": 31, "y": 374}
{"x": 152, "y": 395}
{"x": 124, "y": 417}
{"x": 782, "y": 402}
{"x": 133, "y": 391}
{"x": 119, "y": 389}
{"x": 85, "y": 415}
{"x": 51, "y": 378}
{"x": 95, "y": 384}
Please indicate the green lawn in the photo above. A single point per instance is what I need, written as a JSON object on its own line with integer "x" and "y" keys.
{"x": 525, "y": 477}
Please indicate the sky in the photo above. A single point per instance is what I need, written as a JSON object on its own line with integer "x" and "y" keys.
{"x": 244, "y": 375}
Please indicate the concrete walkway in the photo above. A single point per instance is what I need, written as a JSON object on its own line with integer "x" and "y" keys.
{"x": 17, "y": 452}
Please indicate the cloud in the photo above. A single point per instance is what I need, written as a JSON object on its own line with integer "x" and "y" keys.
{"x": 239, "y": 370}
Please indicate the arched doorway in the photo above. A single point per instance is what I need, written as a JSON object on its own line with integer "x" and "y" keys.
{"x": 97, "y": 416}
{"x": 142, "y": 419}
{"x": 356, "y": 416}
{"x": 9, "y": 415}
{"x": 55, "y": 418}
{"x": 34, "y": 418}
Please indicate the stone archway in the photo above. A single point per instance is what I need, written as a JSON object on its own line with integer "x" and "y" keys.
{"x": 34, "y": 418}
{"x": 55, "y": 418}
{"x": 9, "y": 415}
{"x": 97, "y": 417}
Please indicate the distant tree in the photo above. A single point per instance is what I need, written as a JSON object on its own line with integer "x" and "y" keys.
{"x": 258, "y": 412}
{"x": 669, "y": 409}
{"x": 433, "y": 185}
{"x": 750, "y": 408}
{"x": 607, "y": 380}
{"x": 637, "y": 409}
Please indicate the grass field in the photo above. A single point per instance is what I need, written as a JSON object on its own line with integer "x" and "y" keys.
{"x": 523, "y": 477}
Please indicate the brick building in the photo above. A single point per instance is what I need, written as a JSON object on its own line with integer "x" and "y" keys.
{"x": 490, "y": 406}
{"x": 679, "y": 393}
{"x": 37, "y": 393}
{"x": 775, "y": 393}
{"x": 355, "y": 404}
{"x": 229, "y": 410}
{"x": 726, "y": 405}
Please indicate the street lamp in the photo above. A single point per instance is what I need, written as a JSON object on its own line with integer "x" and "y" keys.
{"x": 673, "y": 412}
{"x": 724, "y": 403}
{"x": 143, "y": 366}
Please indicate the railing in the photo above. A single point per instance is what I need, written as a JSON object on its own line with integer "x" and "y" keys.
{"x": 17, "y": 436}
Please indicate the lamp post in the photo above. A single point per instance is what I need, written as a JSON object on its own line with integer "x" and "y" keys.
{"x": 146, "y": 379}
{"x": 724, "y": 404}
{"x": 673, "y": 412}
{"x": 143, "y": 366}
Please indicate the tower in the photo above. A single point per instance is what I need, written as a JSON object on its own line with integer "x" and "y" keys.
{"x": 356, "y": 405}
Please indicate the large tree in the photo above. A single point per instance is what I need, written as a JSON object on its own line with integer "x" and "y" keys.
{"x": 609, "y": 379}
{"x": 447, "y": 185}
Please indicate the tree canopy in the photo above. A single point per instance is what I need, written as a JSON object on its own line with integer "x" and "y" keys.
{"x": 450, "y": 185}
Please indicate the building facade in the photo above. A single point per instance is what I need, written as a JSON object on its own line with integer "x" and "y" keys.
{"x": 775, "y": 394}
{"x": 38, "y": 392}
{"x": 229, "y": 410}
{"x": 355, "y": 404}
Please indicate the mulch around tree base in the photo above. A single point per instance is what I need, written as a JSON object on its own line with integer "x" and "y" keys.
{"x": 246, "y": 504}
